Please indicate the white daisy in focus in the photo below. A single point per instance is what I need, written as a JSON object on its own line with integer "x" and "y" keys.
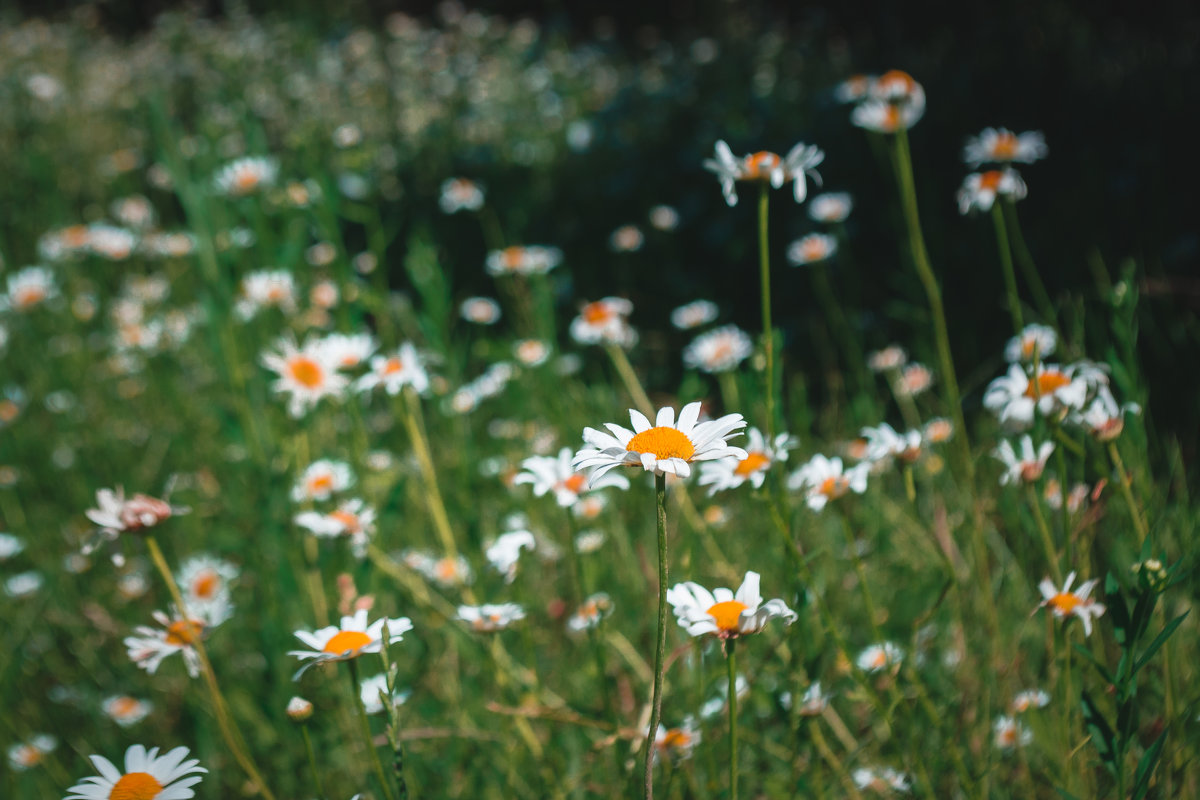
{"x": 1026, "y": 467}
{"x": 1035, "y": 340}
{"x": 730, "y": 473}
{"x": 147, "y": 776}
{"x": 824, "y": 479}
{"x": 667, "y": 446}
{"x": 719, "y": 350}
{"x": 125, "y": 710}
{"x": 723, "y": 613}
{"x": 980, "y": 189}
{"x": 1066, "y": 603}
{"x": 246, "y": 176}
{"x": 350, "y": 638}
{"x": 394, "y": 372}
{"x": 811, "y": 249}
{"x": 1053, "y": 390}
{"x": 1002, "y": 146}
{"x": 555, "y": 474}
{"x": 504, "y": 552}
{"x": 694, "y": 314}
{"x": 491, "y": 618}
{"x": 321, "y": 479}
{"x": 305, "y": 374}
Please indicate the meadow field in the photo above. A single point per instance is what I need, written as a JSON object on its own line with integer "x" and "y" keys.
{"x": 420, "y": 409}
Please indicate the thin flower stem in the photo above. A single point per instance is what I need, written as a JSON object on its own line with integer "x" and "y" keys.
{"x": 832, "y": 760}
{"x": 1006, "y": 264}
{"x": 660, "y": 498}
{"x": 1036, "y": 287}
{"x": 731, "y": 664}
{"x": 312, "y": 760}
{"x": 229, "y": 731}
{"x": 366, "y": 730}
{"x": 1044, "y": 530}
{"x": 727, "y": 380}
{"x": 855, "y": 365}
{"x": 592, "y": 634}
{"x": 630, "y": 379}
{"x": 1126, "y": 489}
{"x": 764, "y": 271}
{"x": 414, "y": 423}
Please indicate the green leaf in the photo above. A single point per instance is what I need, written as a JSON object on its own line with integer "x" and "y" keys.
{"x": 1145, "y": 767}
{"x": 1063, "y": 793}
{"x": 1083, "y": 651}
{"x": 1102, "y": 733}
{"x": 1140, "y": 618}
{"x": 1159, "y": 640}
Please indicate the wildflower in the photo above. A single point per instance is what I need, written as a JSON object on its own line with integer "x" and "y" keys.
{"x": 1052, "y": 390}
{"x": 321, "y": 479}
{"x": 246, "y": 176}
{"x": 800, "y": 162}
{"x": 854, "y": 88}
{"x": 1039, "y": 340}
{"x": 448, "y": 571}
{"x": 814, "y": 701}
{"x": 1052, "y": 492}
{"x": 347, "y": 351}
{"x": 723, "y": 613}
{"x": 306, "y": 374}
{"x": 877, "y": 657}
{"x": 460, "y": 194}
{"x": 715, "y": 705}
{"x": 893, "y": 101}
{"x": 626, "y": 239}
{"x": 176, "y": 634}
{"x": 594, "y": 609}
{"x": 532, "y": 260}
{"x": 349, "y": 639}
{"x": 23, "y": 584}
{"x": 823, "y": 479}
{"x": 938, "y": 430}
{"x": 480, "y": 310}
{"x": 117, "y": 515}
{"x": 555, "y": 474}
{"x": 677, "y": 744}
{"x": 589, "y": 541}
{"x": 664, "y": 218}
{"x": 324, "y": 294}
{"x": 134, "y": 211}
{"x": 889, "y": 358}
{"x": 1030, "y": 698}
{"x": 531, "y": 352}
{"x": 491, "y": 618}
{"x": 881, "y": 779}
{"x": 125, "y": 710}
{"x": 299, "y": 709}
{"x": 394, "y": 372}
{"x": 1025, "y": 468}
{"x": 204, "y": 578}
{"x": 810, "y": 249}
{"x": 147, "y": 776}
{"x": 980, "y": 189}
{"x": 10, "y": 546}
{"x": 604, "y": 322}
{"x": 719, "y": 350}
{"x": 27, "y": 755}
{"x": 347, "y": 135}
{"x": 914, "y": 379}
{"x": 1063, "y": 602}
{"x": 1008, "y": 734}
{"x": 1003, "y": 146}
{"x": 504, "y": 552}
{"x": 884, "y": 442}
{"x": 352, "y": 518}
{"x": 28, "y": 288}
{"x": 830, "y": 207}
{"x": 374, "y": 689}
{"x": 729, "y": 473}
{"x": 667, "y": 446}
{"x": 1103, "y": 418}
{"x": 694, "y": 314}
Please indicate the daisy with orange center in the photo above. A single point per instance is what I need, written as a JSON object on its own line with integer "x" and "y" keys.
{"x": 723, "y": 613}
{"x": 352, "y": 518}
{"x": 980, "y": 189}
{"x": 1049, "y": 389}
{"x": 393, "y": 372}
{"x": 125, "y": 710}
{"x": 205, "y": 579}
{"x": 831, "y": 207}
{"x": 27, "y": 755}
{"x": 352, "y": 637}
{"x": 306, "y": 374}
{"x": 490, "y": 618}
{"x": 694, "y": 314}
{"x": 555, "y": 474}
{"x": 1009, "y": 734}
{"x": 824, "y": 479}
{"x": 730, "y": 473}
{"x": 322, "y": 479}
{"x": 1066, "y": 603}
{"x": 605, "y": 322}
{"x": 665, "y": 447}
{"x": 1002, "y": 146}
{"x": 246, "y": 176}
{"x": 531, "y": 260}
{"x": 1026, "y": 467}
{"x": 28, "y": 288}
{"x": 677, "y": 744}
{"x": 176, "y": 634}
{"x": 892, "y": 102}
{"x": 812, "y": 248}
{"x": 719, "y": 350}
{"x": 460, "y": 194}
{"x": 766, "y": 167}
{"x": 1035, "y": 341}
{"x": 878, "y": 657}
{"x": 447, "y": 571}
{"x": 147, "y": 776}
{"x": 480, "y": 310}
{"x": 594, "y": 609}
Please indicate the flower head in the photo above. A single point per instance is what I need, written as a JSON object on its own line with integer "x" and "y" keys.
{"x": 147, "y": 776}
{"x": 729, "y": 473}
{"x": 1050, "y": 389}
{"x": 1066, "y": 603}
{"x": 1030, "y": 698}
{"x": 830, "y": 207}
{"x": 1026, "y": 467}
{"x": 394, "y": 372}
{"x": 1002, "y": 146}
{"x": 594, "y": 609}
{"x": 505, "y": 551}
{"x": 176, "y": 634}
{"x": 27, "y": 755}
{"x": 306, "y": 374}
{"x": 125, "y": 710}
{"x": 350, "y": 638}
{"x": 810, "y": 249}
{"x": 719, "y": 350}
{"x": 765, "y": 166}
{"x": 667, "y": 446}
{"x": 460, "y": 194}
{"x": 28, "y": 288}
{"x": 246, "y": 176}
{"x": 555, "y": 474}
{"x": 516, "y": 260}
{"x": 490, "y": 618}
{"x": 883, "y": 442}
{"x": 321, "y": 479}
{"x": 723, "y": 613}
{"x": 447, "y": 571}
{"x": 823, "y": 479}
{"x": 892, "y": 102}
{"x": 878, "y": 657}
{"x": 605, "y": 322}
{"x": 677, "y": 744}
{"x": 117, "y": 515}
{"x": 374, "y": 689}
{"x": 1035, "y": 341}
{"x": 266, "y": 289}
{"x": 353, "y": 518}
{"x": 205, "y": 579}
{"x": 980, "y": 189}
{"x": 1009, "y": 734}
{"x": 694, "y": 314}
{"x": 480, "y": 310}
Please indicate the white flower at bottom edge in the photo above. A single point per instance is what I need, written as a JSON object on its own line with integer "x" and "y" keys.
{"x": 349, "y": 639}
{"x": 147, "y": 776}
{"x": 724, "y": 613}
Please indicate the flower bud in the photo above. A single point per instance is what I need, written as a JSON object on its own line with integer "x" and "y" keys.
{"x": 299, "y": 709}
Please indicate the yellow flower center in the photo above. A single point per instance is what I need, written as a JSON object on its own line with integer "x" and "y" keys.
{"x": 8, "y": 410}
{"x": 135, "y": 786}
{"x": 124, "y": 707}
{"x": 597, "y": 313}
{"x": 306, "y": 372}
{"x": 1005, "y": 148}
{"x": 757, "y": 167}
{"x": 574, "y": 483}
{"x": 245, "y": 181}
{"x": 751, "y": 464}
{"x": 1048, "y": 382}
{"x": 832, "y": 487}
{"x": 727, "y": 614}
{"x": 1064, "y": 602}
{"x": 321, "y": 483}
{"x": 512, "y": 257}
{"x": 206, "y": 583}
{"x": 814, "y": 249}
{"x": 346, "y": 640}
{"x": 446, "y": 569}
{"x": 348, "y": 520}
{"x": 183, "y": 632}
{"x": 392, "y": 366}
{"x": 990, "y": 180}
{"x": 879, "y": 660}
{"x": 663, "y": 442}
{"x": 28, "y": 296}
{"x": 676, "y": 737}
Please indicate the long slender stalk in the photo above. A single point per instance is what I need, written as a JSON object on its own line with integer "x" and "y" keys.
{"x": 312, "y": 761}
{"x": 1044, "y": 530}
{"x": 1030, "y": 270}
{"x": 764, "y": 272}
{"x": 731, "y": 665}
{"x": 413, "y": 422}
{"x": 1126, "y": 489}
{"x": 630, "y": 379}
{"x": 229, "y": 731}
{"x": 1006, "y": 264}
{"x": 660, "y": 499}
{"x": 366, "y": 729}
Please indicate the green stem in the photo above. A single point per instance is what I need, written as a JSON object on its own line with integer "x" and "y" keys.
{"x": 366, "y": 729}
{"x": 1044, "y": 530}
{"x": 1006, "y": 263}
{"x": 1032, "y": 278}
{"x": 630, "y": 379}
{"x": 764, "y": 270}
{"x": 312, "y": 760}
{"x": 1126, "y": 489}
{"x": 414, "y": 422}
{"x": 660, "y": 497}
{"x": 731, "y": 663}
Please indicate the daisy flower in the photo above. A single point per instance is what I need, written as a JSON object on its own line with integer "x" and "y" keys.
{"x": 1008, "y": 734}
{"x": 349, "y": 639}
{"x": 394, "y": 372}
{"x": 480, "y": 310}
{"x": 176, "y": 634}
{"x": 374, "y": 689}
{"x": 723, "y": 613}
{"x": 531, "y": 352}
{"x": 892, "y": 101}
{"x": 800, "y": 162}
{"x": 830, "y": 207}
{"x": 664, "y": 218}
{"x": 321, "y": 479}
{"x": 27, "y": 288}
{"x": 147, "y": 776}
{"x": 10, "y": 546}
{"x": 810, "y": 249}
{"x": 677, "y": 744}
{"x": 555, "y": 474}
{"x": 111, "y": 242}
{"x": 889, "y": 358}
{"x": 1053, "y": 495}
{"x": 1030, "y": 698}
{"x": 1039, "y": 340}
{"x": 1001, "y": 146}
{"x": 306, "y": 374}
{"x": 491, "y": 618}
{"x": 203, "y": 579}
{"x": 730, "y": 473}
{"x": 626, "y": 239}
{"x": 884, "y": 442}
{"x": 1103, "y": 418}
{"x": 854, "y": 88}
{"x": 881, "y": 779}
{"x": 823, "y": 479}
{"x": 595, "y": 608}
{"x": 117, "y": 515}
{"x": 448, "y": 571}
{"x": 460, "y": 194}
{"x": 1051, "y": 390}
{"x": 815, "y": 701}
{"x": 980, "y": 189}
{"x": 694, "y": 314}
{"x": 324, "y": 294}
{"x": 352, "y": 518}
{"x": 515, "y": 260}
{"x": 938, "y": 430}
{"x": 348, "y": 350}
{"x": 27, "y": 755}
{"x": 246, "y": 176}
{"x": 1066, "y": 603}
{"x": 1026, "y": 467}
{"x": 877, "y": 657}
{"x": 505, "y": 551}
{"x": 299, "y": 710}
{"x": 719, "y": 350}
{"x": 667, "y": 446}
{"x": 125, "y": 710}
{"x": 914, "y": 379}
{"x": 605, "y": 322}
